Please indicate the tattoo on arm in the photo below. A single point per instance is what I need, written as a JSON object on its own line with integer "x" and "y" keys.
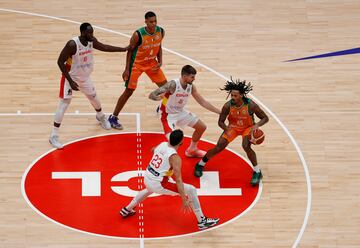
{"x": 168, "y": 87}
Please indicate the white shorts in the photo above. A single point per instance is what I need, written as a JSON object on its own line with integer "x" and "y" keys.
{"x": 166, "y": 187}
{"x": 86, "y": 87}
{"x": 182, "y": 119}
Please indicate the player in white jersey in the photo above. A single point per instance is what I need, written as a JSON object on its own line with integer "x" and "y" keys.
{"x": 76, "y": 64}
{"x": 164, "y": 163}
{"x": 174, "y": 95}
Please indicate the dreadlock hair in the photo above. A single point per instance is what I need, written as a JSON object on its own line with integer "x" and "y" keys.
{"x": 241, "y": 86}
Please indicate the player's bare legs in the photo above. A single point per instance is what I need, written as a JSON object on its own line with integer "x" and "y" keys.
{"x": 257, "y": 175}
{"x": 192, "y": 150}
{"x": 113, "y": 119}
{"x": 220, "y": 146}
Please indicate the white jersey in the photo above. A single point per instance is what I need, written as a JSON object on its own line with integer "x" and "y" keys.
{"x": 177, "y": 101}
{"x": 81, "y": 62}
{"x": 159, "y": 165}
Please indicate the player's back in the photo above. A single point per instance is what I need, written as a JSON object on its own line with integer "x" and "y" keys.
{"x": 159, "y": 165}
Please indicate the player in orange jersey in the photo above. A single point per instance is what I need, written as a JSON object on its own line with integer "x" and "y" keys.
{"x": 240, "y": 112}
{"x": 144, "y": 55}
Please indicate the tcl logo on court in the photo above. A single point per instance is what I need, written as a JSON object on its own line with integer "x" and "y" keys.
{"x": 85, "y": 185}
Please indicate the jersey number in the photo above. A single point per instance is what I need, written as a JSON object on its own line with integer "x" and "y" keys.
{"x": 156, "y": 161}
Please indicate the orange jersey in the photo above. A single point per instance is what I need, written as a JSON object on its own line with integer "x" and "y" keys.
{"x": 149, "y": 46}
{"x": 239, "y": 117}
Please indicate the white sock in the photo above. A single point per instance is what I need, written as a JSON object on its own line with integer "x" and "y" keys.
{"x": 193, "y": 145}
{"x": 194, "y": 200}
{"x": 60, "y": 111}
{"x": 142, "y": 195}
{"x": 257, "y": 168}
{"x": 94, "y": 100}
{"x": 99, "y": 114}
{"x": 55, "y": 132}
{"x": 202, "y": 163}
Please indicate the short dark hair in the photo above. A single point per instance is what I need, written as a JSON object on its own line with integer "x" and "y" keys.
{"x": 176, "y": 137}
{"x": 149, "y": 14}
{"x": 188, "y": 70}
{"x": 84, "y": 26}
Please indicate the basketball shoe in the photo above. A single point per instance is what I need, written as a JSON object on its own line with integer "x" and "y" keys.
{"x": 54, "y": 141}
{"x": 256, "y": 177}
{"x": 198, "y": 170}
{"x": 207, "y": 222}
{"x": 197, "y": 153}
{"x": 114, "y": 122}
{"x": 126, "y": 213}
{"x": 104, "y": 122}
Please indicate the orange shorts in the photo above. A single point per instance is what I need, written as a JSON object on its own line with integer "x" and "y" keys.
{"x": 156, "y": 76}
{"x": 233, "y": 132}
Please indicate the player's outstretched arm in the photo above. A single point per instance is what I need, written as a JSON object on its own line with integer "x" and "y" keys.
{"x": 204, "y": 103}
{"x": 108, "y": 48}
{"x": 159, "y": 93}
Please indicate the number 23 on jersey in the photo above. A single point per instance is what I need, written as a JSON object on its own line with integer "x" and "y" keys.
{"x": 156, "y": 161}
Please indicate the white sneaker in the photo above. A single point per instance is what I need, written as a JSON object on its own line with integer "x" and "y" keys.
{"x": 126, "y": 213}
{"x": 54, "y": 141}
{"x": 104, "y": 122}
{"x": 207, "y": 222}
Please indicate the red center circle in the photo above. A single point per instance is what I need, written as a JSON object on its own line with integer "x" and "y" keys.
{"x": 224, "y": 190}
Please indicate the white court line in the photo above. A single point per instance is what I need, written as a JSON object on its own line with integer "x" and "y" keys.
{"x": 293, "y": 141}
{"x": 52, "y": 114}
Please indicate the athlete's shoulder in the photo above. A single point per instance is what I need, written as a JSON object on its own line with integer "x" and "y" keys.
{"x": 230, "y": 103}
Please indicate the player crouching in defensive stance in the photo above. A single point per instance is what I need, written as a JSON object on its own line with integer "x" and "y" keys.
{"x": 240, "y": 112}
{"x": 174, "y": 95}
{"x": 163, "y": 164}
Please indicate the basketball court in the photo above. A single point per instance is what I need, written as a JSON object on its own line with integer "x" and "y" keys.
{"x": 309, "y": 196}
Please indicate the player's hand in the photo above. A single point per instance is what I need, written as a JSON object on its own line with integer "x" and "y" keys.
{"x": 74, "y": 85}
{"x": 256, "y": 126}
{"x": 125, "y": 75}
{"x": 157, "y": 67}
{"x": 186, "y": 204}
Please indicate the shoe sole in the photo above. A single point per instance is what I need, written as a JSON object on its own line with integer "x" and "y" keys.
{"x": 193, "y": 156}
{"x": 125, "y": 216}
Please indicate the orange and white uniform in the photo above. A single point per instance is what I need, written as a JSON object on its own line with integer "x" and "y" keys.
{"x": 240, "y": 121}
{"x": 144, "y": 57}
{"x": 80, "y": 66}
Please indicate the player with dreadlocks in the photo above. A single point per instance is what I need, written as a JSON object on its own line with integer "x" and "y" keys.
{"x": 240, "y": 112}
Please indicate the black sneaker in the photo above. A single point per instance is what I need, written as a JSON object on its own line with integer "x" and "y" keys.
{"x": 207, "y": 222}
{"x": 256, "y": 177}
{"x": 198, "y": 170}
{"x": 126, "y": 213}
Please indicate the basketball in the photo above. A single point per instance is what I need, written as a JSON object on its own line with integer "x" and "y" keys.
{"x": 257, "y": 137}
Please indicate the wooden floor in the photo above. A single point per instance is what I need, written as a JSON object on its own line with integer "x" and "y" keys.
{"x": 318, "y": 101}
